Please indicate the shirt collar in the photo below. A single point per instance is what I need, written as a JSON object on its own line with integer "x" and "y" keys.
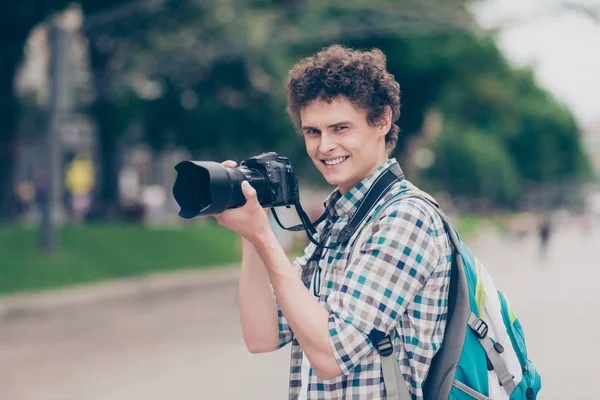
{"x": 347, "y": 204}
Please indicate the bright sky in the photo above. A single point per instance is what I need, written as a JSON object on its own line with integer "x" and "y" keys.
{"x": 563, "y": 45}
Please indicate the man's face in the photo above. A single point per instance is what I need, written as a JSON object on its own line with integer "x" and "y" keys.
{"x": 341, "y": 143}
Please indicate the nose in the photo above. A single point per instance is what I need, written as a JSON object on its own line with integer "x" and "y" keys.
{"x": 327, "y": 143}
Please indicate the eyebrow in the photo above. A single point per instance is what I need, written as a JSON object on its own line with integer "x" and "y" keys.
{"x": 305, "y": 128}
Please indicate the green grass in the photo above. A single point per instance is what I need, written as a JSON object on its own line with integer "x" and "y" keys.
{"x": 93, "y": 253}
{"x": 471, "y": 224}
{"x": 468, "y": 224}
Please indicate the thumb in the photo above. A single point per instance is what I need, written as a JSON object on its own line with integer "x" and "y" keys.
{"x": 248, "y": 191}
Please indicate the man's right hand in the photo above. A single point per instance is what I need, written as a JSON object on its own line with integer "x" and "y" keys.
{"x": 249, "y": 221}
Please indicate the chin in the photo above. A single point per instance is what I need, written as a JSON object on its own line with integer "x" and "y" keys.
{"x": 331, "y": 181}
{"x": 338, "y": 183}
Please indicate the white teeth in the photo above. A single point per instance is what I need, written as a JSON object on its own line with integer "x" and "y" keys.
{"x": 334, "y": 161}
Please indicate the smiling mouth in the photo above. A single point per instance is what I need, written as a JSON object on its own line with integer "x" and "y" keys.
{"x": 334, "y": 161}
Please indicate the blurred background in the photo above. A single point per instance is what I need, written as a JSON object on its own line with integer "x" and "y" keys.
{"x": 105, "y": 293}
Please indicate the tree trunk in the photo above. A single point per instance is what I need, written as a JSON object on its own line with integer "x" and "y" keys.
{"x": 108, "y": 195}
{"x": 9, "y": 146}
{"x": 106, "y": 118}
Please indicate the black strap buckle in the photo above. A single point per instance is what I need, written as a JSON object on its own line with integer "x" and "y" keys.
{"x": 385, "y": 347}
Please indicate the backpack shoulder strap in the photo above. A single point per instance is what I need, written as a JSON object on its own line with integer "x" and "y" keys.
{"x": 448, "y": 227}
{"x": 379, "y": 188}
{"x": 458, "y": 308}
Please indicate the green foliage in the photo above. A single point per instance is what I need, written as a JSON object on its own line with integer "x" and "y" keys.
{"x": 547, "y": 144}
{"x": 520, "y": 132}
{"x": 471, "y": 163}
{"x": 225, "y": 116}
{"x": 98, "y": 252}
{"x": 235, "y": 74}
{"x": 482, "y": 91}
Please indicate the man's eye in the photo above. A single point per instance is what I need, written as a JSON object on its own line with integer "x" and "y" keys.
{"x": 312, "y": 132}
{"x": 341, "y": 128}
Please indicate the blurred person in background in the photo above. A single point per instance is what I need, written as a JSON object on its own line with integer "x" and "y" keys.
{"x": 80, "y": 179}
{"x": 345, "y": 104}
{"x": 41, "y": 188}
{"x": 544, "y": 232}
{"x": 25, "y": 195}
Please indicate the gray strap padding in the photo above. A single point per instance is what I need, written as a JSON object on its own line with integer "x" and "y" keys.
{"x": 473, "y": 393}
{"x": 505, "y": 377}
{"x": 395, "y": 387}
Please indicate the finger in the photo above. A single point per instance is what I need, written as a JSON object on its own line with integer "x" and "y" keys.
{"x": 229, "y": 164}
{"x": 248, "y": 191}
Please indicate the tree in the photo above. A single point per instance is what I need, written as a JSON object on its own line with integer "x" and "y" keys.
{"x": 117, "y": 30}
{"x": 17, "y": 19}
{"x": 547, "y": 143}
{"x": 506, "y": 107}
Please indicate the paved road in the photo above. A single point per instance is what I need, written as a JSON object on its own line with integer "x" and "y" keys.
{"x": 188, "y": 345}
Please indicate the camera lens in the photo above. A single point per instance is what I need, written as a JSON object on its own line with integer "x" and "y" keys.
{"x": 189, "y": 189}
{"x": 258, "y": 181}
{"x": 204, "y": 188}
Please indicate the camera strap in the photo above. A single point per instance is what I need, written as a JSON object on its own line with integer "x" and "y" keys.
{"x": 306, "y": 223}
{"x": 383, "y": 183}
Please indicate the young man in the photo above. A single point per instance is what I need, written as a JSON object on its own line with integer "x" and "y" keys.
{"x": 396, "y": 282}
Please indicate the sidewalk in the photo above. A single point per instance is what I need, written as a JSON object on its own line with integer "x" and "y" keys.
{"x": 40, "y": 303}
{"x": 178, "y": 336}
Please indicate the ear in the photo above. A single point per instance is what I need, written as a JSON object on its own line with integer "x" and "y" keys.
{"x": 386, "y": 121}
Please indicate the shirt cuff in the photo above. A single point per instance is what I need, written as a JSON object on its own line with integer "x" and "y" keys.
{"x": 349, "y": 344}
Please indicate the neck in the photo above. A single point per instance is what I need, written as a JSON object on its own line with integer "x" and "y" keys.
{"x": 379, "y": 163}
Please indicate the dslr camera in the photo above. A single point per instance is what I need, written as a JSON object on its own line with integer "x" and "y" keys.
{"x": 206, "y": 187}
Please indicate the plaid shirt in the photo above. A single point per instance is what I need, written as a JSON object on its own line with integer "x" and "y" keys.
{"x": 398, "y": 282}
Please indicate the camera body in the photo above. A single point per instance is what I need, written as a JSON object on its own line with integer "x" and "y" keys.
{"x": 281, "y": 182}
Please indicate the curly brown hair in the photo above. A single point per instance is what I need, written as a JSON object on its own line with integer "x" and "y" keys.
{"x": 360, "y": 76}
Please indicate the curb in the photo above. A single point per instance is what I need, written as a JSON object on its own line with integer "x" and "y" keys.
{"x": 21, "y": 305}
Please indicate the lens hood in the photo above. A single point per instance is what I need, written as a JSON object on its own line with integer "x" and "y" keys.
{"x": 206, "y": 187}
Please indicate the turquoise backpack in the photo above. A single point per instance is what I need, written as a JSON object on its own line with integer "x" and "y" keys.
{"x": 483, "y": 355}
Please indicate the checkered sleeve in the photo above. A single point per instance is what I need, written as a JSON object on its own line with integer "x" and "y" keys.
{"x": 393, "y": 265}
{"x": 285, "y": 332}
